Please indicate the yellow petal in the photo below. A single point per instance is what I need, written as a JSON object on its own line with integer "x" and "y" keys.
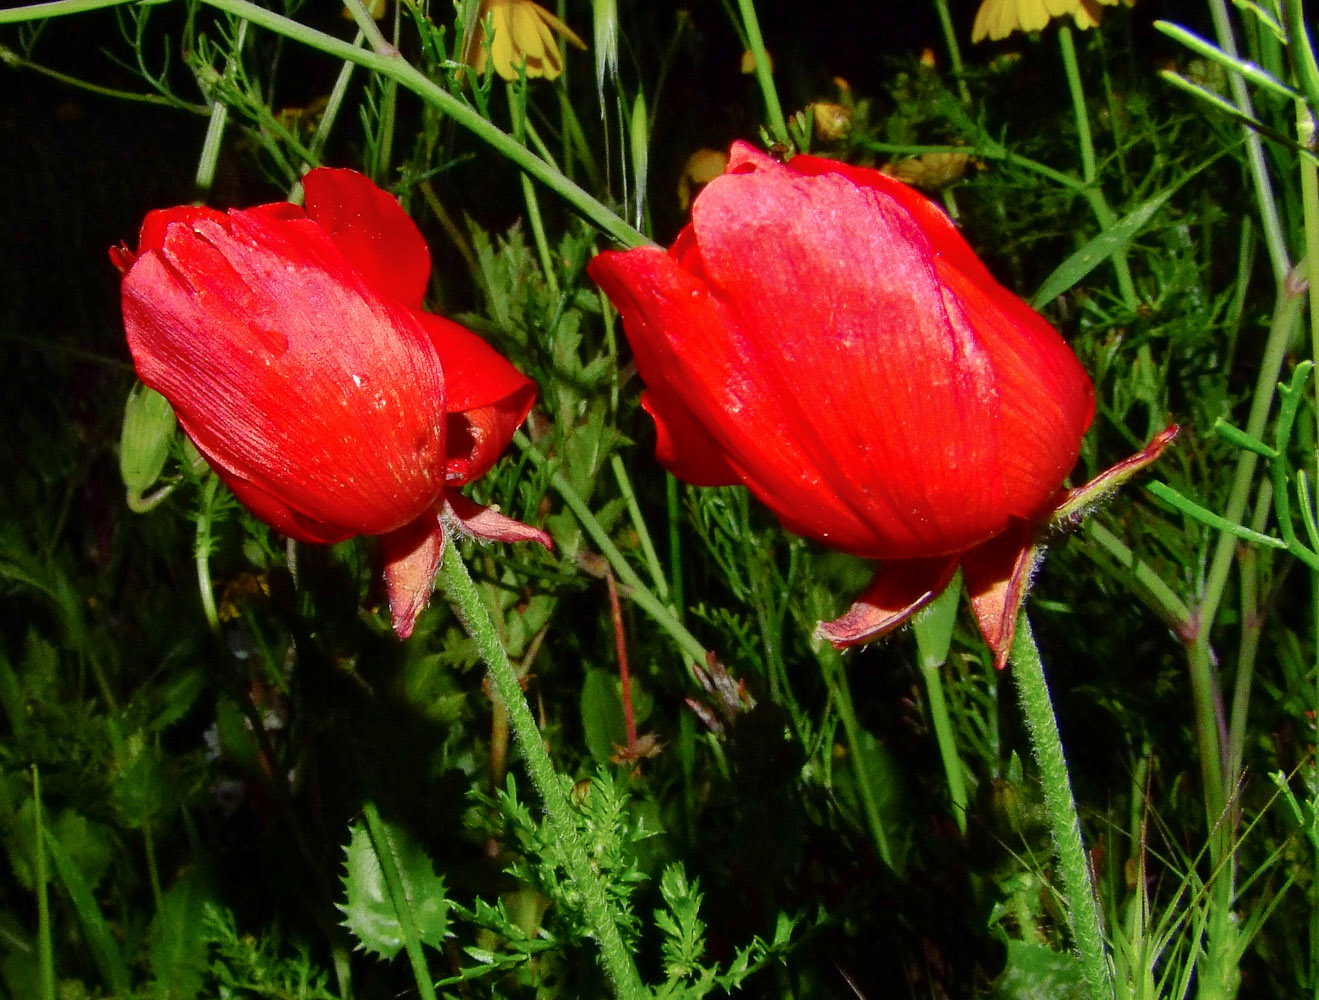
{"x": 568, "y": 34}
{"x": 1032, "y": 15}
{"x": 548, "y": 61}
{"x": 1088, "y": 14}
{"x": 502, "y": 52}
{"x": 981, "y": 27}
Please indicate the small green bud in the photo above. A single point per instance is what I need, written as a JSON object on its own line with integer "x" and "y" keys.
{"x": 144, "y": 444}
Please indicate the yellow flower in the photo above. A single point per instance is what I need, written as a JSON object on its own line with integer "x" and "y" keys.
{"x": 523, "y": 33}
{"x": 749, "y": 62}
{"x": 932, "y": 171}
{"x": 701, "y": 168}
{"x": 997, "y": 19}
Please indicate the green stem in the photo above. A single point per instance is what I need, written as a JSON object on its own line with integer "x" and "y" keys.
{"x": 636, "y": 590}
{"x": 1073, "y": 71}
{"x": 202, "y": 552}
{"x": 835, "y": 676}
{"x": 934, "y": 638}
{"x": 59, "y": 8}
{"x": 673, "y": 505}
{"x": 1305, "y": 133}
{"x": 943, "y": 736}
{"x": 1152, "y": 588}
{"x": 1259, "y": 168}
{"x": 153, "y": 868}
{"x": 616, "y": 955}
{"x": 1314, "y": 842}
{"x": 45, "y": 943}
{"x": 398, "y": 895}
{"x": 1065, "y": 824}
{"x": 332, "y": 105}
{"x": 1094, "y": 196}
{"x": 395, "y": 67}
{"x": 517, "y": 109}
{"x": 1208, "y": 712}
{"x": 764, "y": 75}
{"x": 954, "y": 51}
{"x": 639, "y": 523}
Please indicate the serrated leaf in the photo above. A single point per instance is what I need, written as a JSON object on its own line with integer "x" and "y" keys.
{"x": 369, "y": 912}
{"x": 1037, "y": 972}
{"x": 96, "y": 932}
{"x": 178, "y": 949}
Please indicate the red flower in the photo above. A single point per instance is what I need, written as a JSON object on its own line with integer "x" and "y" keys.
{"x": 292, "y": 345}
{"x": 823, "y": 335}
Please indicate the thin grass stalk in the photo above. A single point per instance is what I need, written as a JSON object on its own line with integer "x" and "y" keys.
{"x": 1094, "y": 196}
{"x": 778, "y": 126}
{"x": 1259, "y": 169}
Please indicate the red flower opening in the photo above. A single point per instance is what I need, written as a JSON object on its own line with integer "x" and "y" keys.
{"x": 292, "y": 345}
{"x": 823, "y": 335}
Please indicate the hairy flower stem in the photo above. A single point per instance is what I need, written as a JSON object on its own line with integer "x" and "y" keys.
{"x": 466, "y": 600}
{"x": 1065, "y": 824}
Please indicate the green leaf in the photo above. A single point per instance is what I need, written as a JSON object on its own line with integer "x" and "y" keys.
{"x": 1036, "y": 972}
{"x": 144, "y": 443}
{"x": 140, "y": 790}
{"x": 875, "y": 764}
{"x": 96, "y": 932}
{"x": 602, "y": 712}
{"x": 934, "y": 628}
{"x": 1099, "y": 249}
{"x": 368, "y": 912}
{"x": 178, "y": 949}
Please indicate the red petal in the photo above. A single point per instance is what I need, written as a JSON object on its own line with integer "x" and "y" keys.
{"x": 943, "y": 236}
{"x": 412, "y": 557}
{"x": 155, "y": 225}
{"x": 274, "y": 511}
{"x": 684, "y": 446}
{"x": 488, "y": 525}
{"x": 372, "y": 231}
{"x": 1047, "y": 397}
{"x": 475, "y": 373}
{"x": 487, "y": 398}
{"x": 663, "y": 307}
{"x": 289, "y": 372}
{"x": 854, "y": 357}
{"x": 898, "y": 590}
{"x": 997, "y": 576}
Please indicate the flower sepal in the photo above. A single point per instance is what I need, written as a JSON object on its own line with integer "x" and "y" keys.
{"x": 997, "y": 573}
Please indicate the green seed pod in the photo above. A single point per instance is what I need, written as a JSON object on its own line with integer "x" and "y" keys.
{"x": 144, "y": 444}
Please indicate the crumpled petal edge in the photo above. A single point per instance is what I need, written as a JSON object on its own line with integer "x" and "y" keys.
{"x": 898, "y": 590}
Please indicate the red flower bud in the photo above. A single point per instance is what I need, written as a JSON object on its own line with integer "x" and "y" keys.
{"x": 292, "y": 346}
{"x": 823, "y": 335}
